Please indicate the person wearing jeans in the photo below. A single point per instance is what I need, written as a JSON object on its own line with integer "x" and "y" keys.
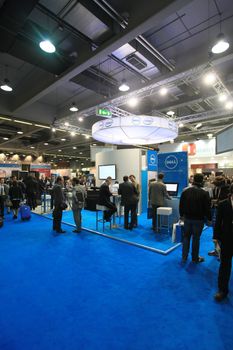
{"x": 194, "y": 209}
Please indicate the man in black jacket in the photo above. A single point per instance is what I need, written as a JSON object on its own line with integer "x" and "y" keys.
{"x": 59, "y": 204}
{"x": 223, "y": 233}
{"x": 104, "y": 199}
{"x": 129, "y": 199}
{"x": 194, "y": 209}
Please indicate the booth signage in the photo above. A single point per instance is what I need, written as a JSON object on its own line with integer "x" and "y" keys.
{"x": 174, "y": 165}
{"x": 152, "y": 161}
{"x": 103, "y": 112}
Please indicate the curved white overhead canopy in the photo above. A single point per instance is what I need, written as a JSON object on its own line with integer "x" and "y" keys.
{"x": 137, "y": 129}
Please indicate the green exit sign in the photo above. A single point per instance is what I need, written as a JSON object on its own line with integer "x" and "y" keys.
{"x": 103, "y": 112}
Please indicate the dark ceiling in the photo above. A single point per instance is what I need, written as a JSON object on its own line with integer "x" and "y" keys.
{"x": 151, "y": 44}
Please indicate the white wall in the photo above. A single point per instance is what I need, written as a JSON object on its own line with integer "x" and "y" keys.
{"x": 128, "y": 161}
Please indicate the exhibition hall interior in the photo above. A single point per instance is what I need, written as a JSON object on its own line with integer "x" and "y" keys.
{"x": 116, "y": 174}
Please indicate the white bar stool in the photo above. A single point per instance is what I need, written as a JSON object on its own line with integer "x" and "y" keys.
{"x": 103, "y": 209}
{"x": 163, "y": 211}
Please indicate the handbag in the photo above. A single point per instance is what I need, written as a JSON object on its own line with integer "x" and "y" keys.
{"x": 177, "y": 232}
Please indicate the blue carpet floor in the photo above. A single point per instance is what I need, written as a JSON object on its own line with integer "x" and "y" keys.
{"x": 142, "y": 235}
{"x": 86, "y": 292}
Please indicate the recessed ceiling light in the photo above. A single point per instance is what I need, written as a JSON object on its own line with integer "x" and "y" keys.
{"x": 170, "y": 113}
{"x": 80, "y": 119}
{"x": 87, "y": 136}
{"x": 53, "y": 129}
{"x": 32, "y": 147}
{"x": 5, "y": 138}
{"x": 163, "y": 91}
{"x": 20, "y": 132}
{"x": 66, "y": 123}
{"x": 59, "y": 150}
{"x": 74, "y": 147}
{"x": 72, "y": 133}
{"x": 82, "y": 163}
{"x": 180, "y": 125}
{"x": 80, "y": 152}
{"x": 94, "y": 144}
{"x": 47, "y": 46}
{"x": 46, "y": 143}
{"x": 63, "y": 139}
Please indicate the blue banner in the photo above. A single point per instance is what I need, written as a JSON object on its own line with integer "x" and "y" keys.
{"x": 174, "y": 165}
{"x": 7, "y": 165}
{"x": 152, "y": 161}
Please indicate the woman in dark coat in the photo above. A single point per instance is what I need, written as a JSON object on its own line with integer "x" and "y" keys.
{"x": 16, "y": 195}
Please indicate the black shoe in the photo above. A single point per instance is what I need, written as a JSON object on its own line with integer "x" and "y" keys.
{"x": 61, "y": 231}
{"x": 199, "y": 260}
{"x": 77, "y": 231}
{"x": 213, "y": 253}
{"x": 15, "y": 217}
{"x": 219, "y": 296}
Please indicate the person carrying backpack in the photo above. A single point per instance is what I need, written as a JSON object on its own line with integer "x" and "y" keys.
{"x": 79, "y": 195}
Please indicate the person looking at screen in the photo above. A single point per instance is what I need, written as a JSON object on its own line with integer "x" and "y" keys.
{"x": 137, "y": 186}
{"x": 129, "y": 200}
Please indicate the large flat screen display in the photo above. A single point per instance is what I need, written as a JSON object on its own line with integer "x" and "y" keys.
{"x": 172, "y": 188}
{"x": 107, "y": 170}
{"x": 224, "y": 140}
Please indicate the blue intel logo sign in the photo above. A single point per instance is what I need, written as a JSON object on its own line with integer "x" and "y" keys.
{"x": 171, "y": 162}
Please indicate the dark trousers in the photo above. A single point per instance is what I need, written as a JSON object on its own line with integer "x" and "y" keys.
{"x": 110, "y": 212}
{"x": 154, "y": 216}
{"x": 130, "y": 208}
{"x": 57, "y": 217}
{"x": 31, "y": 200}
{"x": 192, "y": 228}
{"x": 2, "y": 202}
{"x": 225, "y": 269}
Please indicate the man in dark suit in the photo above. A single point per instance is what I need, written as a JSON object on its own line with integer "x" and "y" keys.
{"x": 223, "y": 234}
{"x": 104, "y": 199}
{"x": 129, "y": 199}
{"x": 59, "y": 204}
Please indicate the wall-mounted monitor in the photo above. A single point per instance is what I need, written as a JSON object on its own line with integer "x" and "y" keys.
{"x": 172, "y": 188}
{"x": 224, "y": 140}
{"x": 107, "y": 170}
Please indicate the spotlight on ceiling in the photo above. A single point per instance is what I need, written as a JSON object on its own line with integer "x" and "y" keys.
{"x": 210, "y": 78}
{"x": 222, "y": 97}
{"x": 53, "y": 129}
{"x": 210, "y": 136}
{"x": 66, "y": 123}
{"x": 198, "y": 126}
{"x": 72, "y": 133}
{"x": 132, "y": 102}
{"x": 47, "y": 46}
{"x": 163, "y": 91}
{"x": 80, "y": 119}
{"x": 124, "y": 86}
{"x": 180, "y": 125}
{"x": 229, "y": 105}
{"x": 221, "y": 45}
{"x": 73, "y": 108}
{"x": 6, "y": 86}
{"x": 170, "y": 113}
{"x": 20, "y": 132}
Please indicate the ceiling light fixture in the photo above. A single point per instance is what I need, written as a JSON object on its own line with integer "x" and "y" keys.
{"x": 135, "y": 130}
{"x": 22, "y": 122}
{"x": 53, "y": 129}
{"x": 198, "y": 125}
{"x": 73, "y": 108}
{"x": 80, "y": 119}
{"x": 181, "y": 125}
{"x": 222, "y": 97}
{"x": 210, "y": 136}
{"x": 72, "y": 133}
{"x": 221, "y": 45}
{"x": 5, "y": 138}
{"x": 46, "y": 143}
{"x": 63, "y": 140}
{"x": 66, "y": 123}
{"x": 47, "y": 46}
{"x": 210, "y": 78}
{"x": 132, "y": 102}
{"x": 20, "y": 132}
{"x": 163, "y": 91}
{"x": 74, "y": 147}
{"x": 124, "y": 86}
{"x": 6, "y": 86}
{"x": 170, "y": 113}
{"x": 229, "y": 105}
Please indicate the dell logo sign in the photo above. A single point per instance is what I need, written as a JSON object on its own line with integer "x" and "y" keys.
{"x": 171, "y": 162}
{"x": 152, "y": 159}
